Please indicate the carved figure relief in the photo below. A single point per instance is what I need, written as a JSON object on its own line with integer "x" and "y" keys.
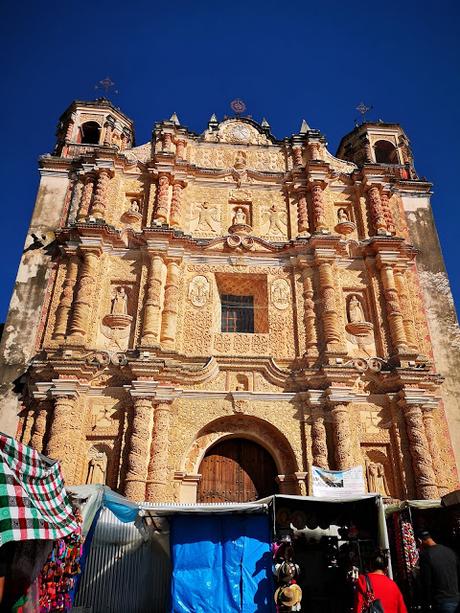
{"x": 240, "y": 160}
{"x": 206, "y": 218}
{"x": 239, "y": 217}
{"x": 116, "y": 325}
{"x": 359, "y": 331}
{"x": 280, "y": 294}
{"x": 103, "y": 418}
{"x": 376, "y": 478}
{"x": 120, "y": 302}
{"x": 133, "y": 212}
{"x": 276, "y": 218}
{"x": 198, "y": 291}
{"x": 355, "y": 310}
{"x": 97, "y": 466}
{"x": 344, "y": 224}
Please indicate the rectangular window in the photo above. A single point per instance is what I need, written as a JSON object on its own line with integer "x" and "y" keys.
{"x": 237, "y": 313}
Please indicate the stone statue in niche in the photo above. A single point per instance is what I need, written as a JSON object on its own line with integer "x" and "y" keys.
{"x": 120, "y": 302}
{"x": 97, "y": 467}
{"x": 240, "y": 217}
{"x": 198, "y": 292}
{"x": 376, "y": 479}
{"x": 344, "y": 224}
{"x": 133, "y": 213}
{"x": 116, "y": 325}
{"x": 134, "y": 206}
{"x": 206, "y": 217}
{"x": 276, "y": 218}
{"x": 342, "y": 215}
{"x": 355, "y": 310}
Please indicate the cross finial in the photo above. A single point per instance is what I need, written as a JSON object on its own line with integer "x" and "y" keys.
{"x": 363, "y": 109}
{"x": 237, "y": 106}
{"x": 106, "y": 84}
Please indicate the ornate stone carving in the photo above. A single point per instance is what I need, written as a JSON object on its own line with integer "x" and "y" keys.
{"x": 342, "y": 436}
{"x": 386, "y": 212}
{"x": 97, "y": 466}
{"x": 170, "y": 307}
{"x": 157, "y": 477}
{"x": 276, "y": 220}
{"x": 206, "y": 216}
{"x": 280, "y": 294}
{"x": 66, "y": 298}
{"x": 199, "y": 291}
{"x": 376, "y": 211}
{"x": 161, "y": 211}
{"x": 87, "y": 194}
{"x": 376, "y": 478}
{"x": 422, "y": 462}
{"x": 435, "y": 451}
{"x": 319, "y": 440}
{"x": 151, "y": 319}
{"x": 330, "y": 318}
{"x": 311, "y": 341}
{"x": 297, "y": 155}
{"x": 175, "y": 217}
{"x": 133, "y": 214}
{"x": 302, "y": 213}
{"x": 139, "y": 445}
{"x": 344, "y": 224}
{"x": 318, "y": 207}
{"x": 406, "y": 307}
{"x": 84, "y": 296}
{"x": 394, "y": 314}
{"x": 39, "y": 425}
{"x": 100, "y": 196}
{"x": 65, "y": 434}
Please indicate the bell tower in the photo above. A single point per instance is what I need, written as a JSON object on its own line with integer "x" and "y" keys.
{"x": 85, "y": 126}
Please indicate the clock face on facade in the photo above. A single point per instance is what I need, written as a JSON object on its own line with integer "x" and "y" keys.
{"x": 240, "y": 133}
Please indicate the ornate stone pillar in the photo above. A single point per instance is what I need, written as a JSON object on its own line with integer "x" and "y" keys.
{"x": 376, "y": 210}
{"x": 152, "y": 306}
{"x": 157, "y": 477}
{"x": 66, "y": 298}
{"x": 84, "y": 295}
{"x": 180, "y": 148}
{"x": 318, "y": 207}
{"x": 167, "y": 142}
{"x": 65, "y": 433}
{"x": 435, "y": 451}
{"x": 302, "y": 212}
{"x": 70, "y": 126}
{"x": 170, "y": 306}
{"x": 297, "y": 155}
{"x": 86, "y": 196}
{"x": 311, "y": 340}
{"x": 393, "y": 307}
{"x": 108, "y": 133}
{"x": 329, "y": 314}
{"x": 100, "y": 197}
{"x": 386, "y": 211}
{"x": 319, "y": 440}
{"x": 422, "y": 462}
{"x": 161, "y": 211}
{"x": 406, "y": 307}
{"x": 342, "y": 436}
{"x": 175, "y": 216}
{"x": 39, "y": 427}
{"x": 136, "y": 474}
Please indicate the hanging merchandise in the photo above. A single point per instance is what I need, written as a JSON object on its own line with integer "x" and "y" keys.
{"x": 288, "y": 594}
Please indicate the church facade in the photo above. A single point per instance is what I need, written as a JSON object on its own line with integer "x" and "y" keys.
{"x": 205, "y": 317}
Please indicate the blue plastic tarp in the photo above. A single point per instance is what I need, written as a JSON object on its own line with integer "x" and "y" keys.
{"x": 221, "y": 564}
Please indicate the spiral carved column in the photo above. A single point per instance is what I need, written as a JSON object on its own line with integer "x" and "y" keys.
{"x": 136, "y": 475}
{"x": 180, "y": 148}
{"x": 175, "y": 216}
{"x": 422, "y": 461}
{"x": 386, "y": 212}
{"x": 87, "y": 194}
{"x": 100, "y": 197}
{"x": 342, "y": 436}
{"x": 171, "y": 305}
{"x": 435, "y": 451}
{"x": 108, "y": 133}
{"x": 151, "y": 317}
{"x": 329, "y": 316}
{"x": 319, "y": 440}
{"x": 161, "y": 211}
{"x": 376, "y": 210}
{"x": 65, "y": 434}
{"x": 66, "y": 298}
{"x": 84, "y": 298}
{"x": 406, "y": 308}
{"x": 157, "y": 477}
{"x": 39, "y": 426}
{"x": 297, "y": 155}
{"x": 395, "y": 317}
{"x": 311, "y": 340}
{"x": 302, "y": 213}
{"x": 318, "y": 207}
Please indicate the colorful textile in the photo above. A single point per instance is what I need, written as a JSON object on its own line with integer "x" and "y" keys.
{"x": 33, "y": 501}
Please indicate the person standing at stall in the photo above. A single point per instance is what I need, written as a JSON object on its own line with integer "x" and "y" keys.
{"x": 439, "y": 569}
{"x": 376, "y": 589}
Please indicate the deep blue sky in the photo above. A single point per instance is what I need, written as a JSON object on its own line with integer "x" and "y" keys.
{"x": 287, "y": 60}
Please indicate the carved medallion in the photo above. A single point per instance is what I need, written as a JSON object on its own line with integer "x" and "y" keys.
{"x": 280, "y": 294}
{"x": 198, "y": 291}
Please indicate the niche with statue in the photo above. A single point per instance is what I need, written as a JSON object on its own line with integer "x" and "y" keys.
{"x": 116, "y": 324}
{"x": 359, "y": 328}
{"x": 344, "y": 225}
{"x": 133, "y": 212}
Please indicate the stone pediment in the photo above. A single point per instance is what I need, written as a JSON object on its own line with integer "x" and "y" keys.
{"x": 237, "y": 132}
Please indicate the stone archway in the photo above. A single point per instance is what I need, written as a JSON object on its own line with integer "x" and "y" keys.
{"x": 242, "y": 427}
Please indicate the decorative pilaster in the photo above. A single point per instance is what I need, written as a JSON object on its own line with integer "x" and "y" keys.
{"x": 422, "y": 461}
{"x": 329, "y": 314}
{"x": 406, "y": 307}
{"x": 65, "y": 434}
{"x": 87, "y": 194}
{"x": 161, "y": 211}
{"x": 319, "y": 440}
{"x": 39, "y": 427}
{"x": 302, "y": 212}
{"x": 297, "y": 155}
{"x": 136, "y": 475}
{"x": 170, "y": 306}
{"x": 393, "y": 307}
{"x": 66, "y": 299}
{"x": 70, "y": 126}
{"x": 151, "y": 316}
{"x": 386, "y": 211}
{"x": 342, "y": 436}
{"x": 108, "y": 133}
{"x": 435, "y": 451}
{"x": 157, "y": 477}
{"x": 318, "y": 207}
{"x": 100, "y": 197}
{"x": 311, "y": 340}
{"x": 376, "y": 210}
{"x": 167, "y": 142}
{"x": 180, "y": 148}
{"x": 84, "y": 298}
{"x": 175, "y": 216}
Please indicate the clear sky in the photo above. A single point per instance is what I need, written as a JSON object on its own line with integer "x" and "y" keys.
{"x": 287, "y": 60}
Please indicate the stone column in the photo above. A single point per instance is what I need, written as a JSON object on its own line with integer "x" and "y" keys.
{"x": 311, "y": 340}
{"x": 84, "y": 298}
{"x": 297, "y": 154}
{"x": 100, "y": 197}
{"x": 406, "y": 307}
{"x": 157, "y": 477}
{"x": 386, "y": 212}
{"x": 138, "y": 455}
{"x": 342, "y": 436}
{"x": 319, "y": 440}
{"x": 376, "y": 211}
{"x": 69, "y": 131}
{"x": 66, "y": 298}
{"x": 152, "y": 306}
{"x": 39, "y": 427}
{"x": 108, "y": 133}
{"x": 180, "y": 148}
{"x": 170, "y": 306}
{"x": 422, "y": 462}
{"x": 318, "y": 207}
{"x": 393, "y": 307}
{"x": 329, "y": 314}
{"x": 302, "y": 213}
{"x": 435, "y": 451}
{"x": 66, "y": 430}
{"x": 175, "y": 216}
{"x": 87, "y": 194}
{"x": 161, "y": 211}
{"x": 167, "y": 142}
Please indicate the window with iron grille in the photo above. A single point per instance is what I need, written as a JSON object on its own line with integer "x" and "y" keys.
{"x": 237, "y": 313}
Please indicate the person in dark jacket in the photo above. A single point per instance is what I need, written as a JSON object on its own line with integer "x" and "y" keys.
{"x": 439, "y": 568}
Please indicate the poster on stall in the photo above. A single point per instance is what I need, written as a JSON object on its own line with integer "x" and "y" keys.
{"x": 337, "y": 483}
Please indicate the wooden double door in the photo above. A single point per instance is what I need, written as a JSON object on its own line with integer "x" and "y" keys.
{"x": 237, "y": 470}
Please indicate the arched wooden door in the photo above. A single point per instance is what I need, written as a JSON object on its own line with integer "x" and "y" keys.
{"x": 237, "y": 470}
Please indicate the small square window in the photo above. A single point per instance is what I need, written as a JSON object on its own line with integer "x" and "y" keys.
{"x": 237, "y": 313}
